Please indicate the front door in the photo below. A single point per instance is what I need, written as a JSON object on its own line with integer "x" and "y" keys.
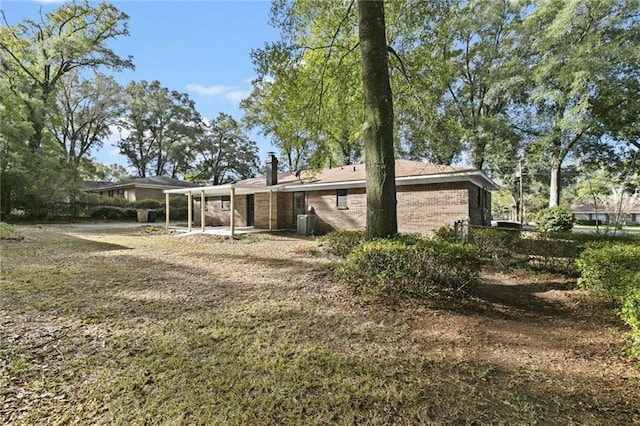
{"x": 250, "y": 209}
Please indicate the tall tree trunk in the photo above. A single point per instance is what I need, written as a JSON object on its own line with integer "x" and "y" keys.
{"x": 378, "y": 125}
{"x": 554, "y": 185}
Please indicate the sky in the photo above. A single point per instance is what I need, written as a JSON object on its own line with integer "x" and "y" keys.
{"x": 197, "y": 47}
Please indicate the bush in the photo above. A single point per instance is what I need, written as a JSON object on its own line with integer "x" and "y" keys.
{"x": 149, "y": 204}
{"x": 113, "y": 213}
{"x": 495, "y": 244}
{"x": 613, "y": 269}
{"x": 425, "y": 268}
{"x": 550, "y": 252}
{"x": 341, "y": 243}
{"x": 605, "y": 267}
{"x": 9, "y": 232}
{"x": 554, "y": 219}
{"x": 446, "y": 234}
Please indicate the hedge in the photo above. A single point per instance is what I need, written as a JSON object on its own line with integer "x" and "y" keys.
{"x": 393, "y": 267}
{"x": 341, "y": 243}
{"x": 613, "y": 269}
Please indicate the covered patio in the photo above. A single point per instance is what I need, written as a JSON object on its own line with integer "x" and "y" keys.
{"x": 231, "y": 190}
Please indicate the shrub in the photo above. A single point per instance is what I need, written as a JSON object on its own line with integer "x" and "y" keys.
{"x": 9, "y": 232}
{"x": 554, "y": 219}
{"x": 426, "y": 268}
{"x": 113, "y": 213}
{"x": 447, "y": 234}
{"x": 604, "y": 267}
{"x": 149, "y": 204}
{"x": 495, "y": 244}
{"x": 341, "y": 243}
{"x": 550, "y": 252}
{"x": 613, "y": 269}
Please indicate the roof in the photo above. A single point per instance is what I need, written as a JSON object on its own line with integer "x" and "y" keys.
{"x": 159, "y": 182}
{"x": 351, "y": 176}
{"x": 590, "y": 208}
{"x": 88, "y": 185}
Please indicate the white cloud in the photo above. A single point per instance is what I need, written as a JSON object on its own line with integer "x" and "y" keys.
{"x": 232, "y": 94}
{"x": 237, "y": 95}
{"x": 208, "y": 90}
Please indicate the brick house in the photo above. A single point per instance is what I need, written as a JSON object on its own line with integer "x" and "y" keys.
{"x": 138, "y": 189}
{"x": 428, "y": 197}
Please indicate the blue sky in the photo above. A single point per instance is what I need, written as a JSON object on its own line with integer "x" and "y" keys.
{"x": 198, "y": 47}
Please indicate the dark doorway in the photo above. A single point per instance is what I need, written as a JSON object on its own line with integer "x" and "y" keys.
{"x": 250, "y": 209}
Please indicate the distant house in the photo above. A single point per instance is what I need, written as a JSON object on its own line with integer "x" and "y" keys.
{"x": 138, "y": 189}
{"x": 589, "y": 213}
{"x": 428, "y": 197}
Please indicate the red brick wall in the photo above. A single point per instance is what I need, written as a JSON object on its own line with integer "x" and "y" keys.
{"x": 216, "y": 216}
{"x": 424, "y": 208}
{"x": 329, "y": 216}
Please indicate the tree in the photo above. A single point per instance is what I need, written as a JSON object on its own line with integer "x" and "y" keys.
{"x": 574, "y": 50}
{"x": 461, "y": 75}
{"x": 85, "y": 111}
{"x": 378, "y": 121}
{"x": 161, "y": 125}
{"x": 308, "y": 97}
{"x": 36, "y": 55}
{"x": 223, "y": 153}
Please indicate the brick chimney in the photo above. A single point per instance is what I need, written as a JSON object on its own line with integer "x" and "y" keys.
{"x": 272, "y": 169}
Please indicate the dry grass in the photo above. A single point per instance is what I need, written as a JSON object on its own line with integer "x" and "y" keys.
{"x": 121, "y": 327}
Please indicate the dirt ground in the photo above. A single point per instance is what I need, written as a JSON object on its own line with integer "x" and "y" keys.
{"x": 526, "y": 348}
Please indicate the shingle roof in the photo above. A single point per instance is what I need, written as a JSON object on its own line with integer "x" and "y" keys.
{"x": 148, "y": 181}
{"x": 404, "y": 168}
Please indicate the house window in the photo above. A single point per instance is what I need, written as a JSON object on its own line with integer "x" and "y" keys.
{"x": 225, "y": 202}
{"x": 341, "y": 199}
{"x": 299, "y": 205}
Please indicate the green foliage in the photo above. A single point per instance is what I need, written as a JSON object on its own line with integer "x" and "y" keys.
{"x": 161, "y": 124}
{"x": 149, "y": 204}
{"x": 495, "y": 244}
{"x": 630, "y": 311}
{"x": 342, "y": 243}
{"x": 605, "y": 267}
{"x": 446, "y": 234}
{"x": 613, "y": 270}
{"x": 9, "y": 232}
{"x": 422, "y": 269}
{"x": 549, "y": 252}
{"x": 113, "y": 213}
{"x": 554, "y": 219}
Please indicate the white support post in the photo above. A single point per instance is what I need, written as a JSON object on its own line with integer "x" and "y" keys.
{"x": 270, "y": 210}
{"x": 202, "y": 211}
{"x": 189, "y": 211}
{"x": 166, "y": 211}
{"x": 233, "y": 211}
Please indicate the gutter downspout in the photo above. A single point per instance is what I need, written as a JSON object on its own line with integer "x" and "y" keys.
{"x": 166, "y": 211}
{"x": 189, "y": 210}
{"x": 202, "y": 209}
{"x": 233, "y": 210}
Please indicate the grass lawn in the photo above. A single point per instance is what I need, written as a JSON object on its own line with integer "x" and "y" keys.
{"x": 125, "y": 327}
{"x": 605, "y": 228}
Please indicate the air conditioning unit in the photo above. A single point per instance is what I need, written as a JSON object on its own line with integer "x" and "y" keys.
{"x": 306, "y": 224}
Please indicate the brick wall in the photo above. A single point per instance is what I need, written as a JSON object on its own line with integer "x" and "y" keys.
{"x": 329, "y": 216}
{"x": 424, "y": 208}
{"x": 216, "y": 216}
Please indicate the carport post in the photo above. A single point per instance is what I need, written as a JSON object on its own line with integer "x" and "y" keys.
{"x": 270, "y": 209}
{"x": 189, "y": 210}
{"x": 166, "y": 210}
{"x": 202, "y": 215}
{"x": 233, "y": 211}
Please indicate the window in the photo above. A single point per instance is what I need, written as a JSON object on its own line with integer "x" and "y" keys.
{"x": 299, "y": 205}
{"x": 341, "y": 201}
{"x": 225, "y": 202}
